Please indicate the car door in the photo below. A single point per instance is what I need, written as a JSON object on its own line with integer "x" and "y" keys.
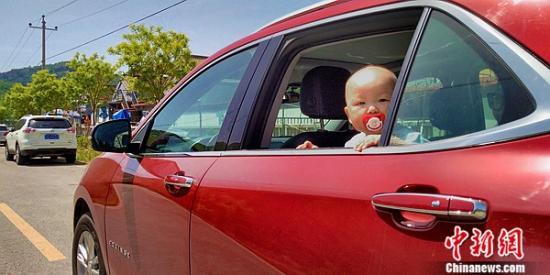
{"x": 149, "y": 201}
{"x": 11, "y": 138}
{"x": 399, "y": 209}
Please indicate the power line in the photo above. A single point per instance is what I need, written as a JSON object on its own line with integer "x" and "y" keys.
{"x": 22, "y": 46}
{"x": 116, "y": 30}
{"x": 12, "y": 51}
{"x": 93, "y": 13}
{"x": 60, "y": 8}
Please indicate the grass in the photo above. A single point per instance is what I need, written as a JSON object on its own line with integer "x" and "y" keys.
{"x": 84, "y": 152}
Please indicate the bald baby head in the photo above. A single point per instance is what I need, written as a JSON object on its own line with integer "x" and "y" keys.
{"x": 368, "y": 91}
{"x": 368, "y": 78}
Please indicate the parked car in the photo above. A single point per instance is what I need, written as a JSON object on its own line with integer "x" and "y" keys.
{"x": 211, "y": 183}
{"x": 41, "y": 136}
{"x": 3, "y": 132}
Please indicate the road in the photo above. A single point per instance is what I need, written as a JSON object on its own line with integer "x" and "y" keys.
{"x": 36, "y": 215}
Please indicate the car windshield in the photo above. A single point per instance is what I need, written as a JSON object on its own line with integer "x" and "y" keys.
{"x": 3, "y": 128}
{"x": 49, "y": 123}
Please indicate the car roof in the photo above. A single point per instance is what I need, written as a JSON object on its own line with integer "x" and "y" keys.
{"x": 524, "y": 21}
{"x": 38, "y": 116}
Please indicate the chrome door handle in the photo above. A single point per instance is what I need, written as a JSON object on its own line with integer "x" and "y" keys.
{"x": 178, "y": 185}
{"x": 439, "y": 207}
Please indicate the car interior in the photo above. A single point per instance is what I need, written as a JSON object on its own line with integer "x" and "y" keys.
{"x": 312, "y": 108}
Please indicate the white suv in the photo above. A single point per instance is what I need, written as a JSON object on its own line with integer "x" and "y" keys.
{"x": 35, "y": 136}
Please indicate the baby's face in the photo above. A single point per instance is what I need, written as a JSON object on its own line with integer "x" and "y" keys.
{"x": 370, "y": 98}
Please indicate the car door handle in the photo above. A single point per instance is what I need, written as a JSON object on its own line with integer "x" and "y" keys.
{"x": 178, "y": 184}
{"x": 420, "y": 211}
{"x": 178, "y": 181}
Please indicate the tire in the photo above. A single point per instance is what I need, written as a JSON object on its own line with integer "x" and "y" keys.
{"x": 19, "y": 159}
{"x": 86, "y": 259}
{"x": 70, "y": 159}
{"x": 7, "y": 154}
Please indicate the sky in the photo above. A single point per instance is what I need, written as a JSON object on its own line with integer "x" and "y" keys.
{"x": 209, "y": 24}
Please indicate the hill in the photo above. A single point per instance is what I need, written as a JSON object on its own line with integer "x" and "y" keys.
{"x": 23, "y": 75}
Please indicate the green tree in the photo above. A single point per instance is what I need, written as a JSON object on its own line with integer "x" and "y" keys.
{"x": 46, "y": 93}
{"x": 18, "y": 102}
{"x": 156, "y": 59}
{"x": 90, "y": 80}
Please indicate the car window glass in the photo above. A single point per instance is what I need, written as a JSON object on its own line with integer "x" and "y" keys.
{"x": 3, "y": 128}
{"x": 193, "y": 118}
{"x": 49, "y": 123}
{"x": 456, "y": 86}
{"x": 20, "y": 124}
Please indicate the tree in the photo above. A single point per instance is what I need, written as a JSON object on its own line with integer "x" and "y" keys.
{"x": 91, "y": 80}
{"x": 45, "y": 91}
{"x": 156, "y": 59}
{"x": 18, "y": 102}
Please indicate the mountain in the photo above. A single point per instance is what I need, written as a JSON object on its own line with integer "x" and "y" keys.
{"x": 23, "y": 75}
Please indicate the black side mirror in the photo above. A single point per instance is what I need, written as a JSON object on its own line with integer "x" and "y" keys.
{"x": 112, "y": 136}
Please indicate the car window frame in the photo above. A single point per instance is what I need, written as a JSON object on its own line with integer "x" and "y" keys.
{"x": 513, "y": 55}
{"x": 255, "y": 138}
{"x": 221, "y": 142}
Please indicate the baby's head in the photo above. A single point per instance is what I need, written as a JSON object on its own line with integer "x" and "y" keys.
{"x": 368, "y": 92}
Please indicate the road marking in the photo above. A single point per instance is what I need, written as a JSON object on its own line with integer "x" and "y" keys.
{"x": 46, "y": 248}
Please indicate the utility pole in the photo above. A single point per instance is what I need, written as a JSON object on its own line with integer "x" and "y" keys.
{"x": 43, "y": 39}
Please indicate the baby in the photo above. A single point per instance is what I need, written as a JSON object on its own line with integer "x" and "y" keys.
{"x": 368, "y": 95}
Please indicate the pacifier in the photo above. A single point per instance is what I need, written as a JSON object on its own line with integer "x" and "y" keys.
{"x": 374, "y": 122}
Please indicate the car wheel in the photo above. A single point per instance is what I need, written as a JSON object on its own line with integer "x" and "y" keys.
{"x": 19, "y": 159}
{"x": 7, "y": 153}
{"x": 70, "y": 158}
{"x": 86, "y": 258}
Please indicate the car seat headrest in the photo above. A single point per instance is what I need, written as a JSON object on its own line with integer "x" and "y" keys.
{"x": 323, "y": 92}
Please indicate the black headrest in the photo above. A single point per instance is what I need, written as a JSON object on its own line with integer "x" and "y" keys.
{"x": 452, "y": 110}
{"x": 323, "y": 92}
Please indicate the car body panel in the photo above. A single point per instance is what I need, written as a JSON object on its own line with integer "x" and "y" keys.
{"x": 313, "y": 214}
{"x": 140, "y": 208}
{"x": 94, "y": 187}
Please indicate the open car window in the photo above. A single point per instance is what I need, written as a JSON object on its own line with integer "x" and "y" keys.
{"x": 312, "y": 106}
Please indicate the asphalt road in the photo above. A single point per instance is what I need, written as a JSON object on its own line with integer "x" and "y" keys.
{"x": 36, "y": 201}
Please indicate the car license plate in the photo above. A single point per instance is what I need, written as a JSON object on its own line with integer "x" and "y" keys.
{"x": 51, "y": 136}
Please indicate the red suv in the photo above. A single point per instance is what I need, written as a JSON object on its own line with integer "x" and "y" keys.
{"x": 211, "y": 182}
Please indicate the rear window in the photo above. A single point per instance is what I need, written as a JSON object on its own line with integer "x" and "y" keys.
{"x": 3, "y": 128}
{"x": 49, "y": 123}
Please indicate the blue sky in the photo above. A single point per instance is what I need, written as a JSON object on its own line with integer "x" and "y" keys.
{"x": 210, "y": 24}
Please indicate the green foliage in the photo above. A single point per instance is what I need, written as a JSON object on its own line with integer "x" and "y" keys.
{"x": 155, "y": 59}
{"x": 24, "y": 75}
{"x": 46, "y": 95}
{"x": 43, "y": 94}
{"x": 4, "y": 87}
{"x": 89, "y": 81}
{"x": 18, "y": 100}
{"x": 85, "y": 152}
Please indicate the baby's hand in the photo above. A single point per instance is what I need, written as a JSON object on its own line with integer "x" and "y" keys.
{"x": 370, "y": 141}
{"x": 307, "y": 145}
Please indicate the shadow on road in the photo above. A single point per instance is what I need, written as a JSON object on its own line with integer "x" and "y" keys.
{"x": 50, "y": 162}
